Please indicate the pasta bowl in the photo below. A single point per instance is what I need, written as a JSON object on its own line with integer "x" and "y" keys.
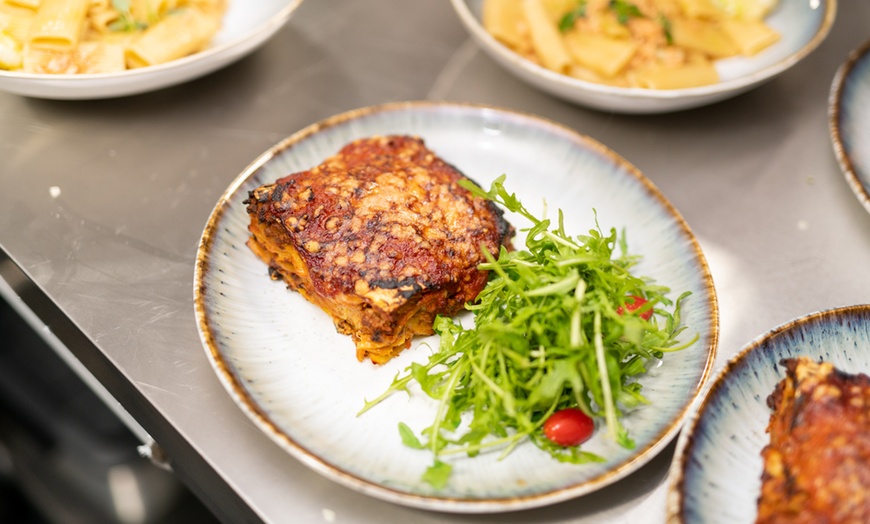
{"x": 802, "y": 25}
{"x": 245, "y": 27}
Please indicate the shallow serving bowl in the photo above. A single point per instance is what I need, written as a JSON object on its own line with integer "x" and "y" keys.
{"x": 849, "y": 121}
{"x": 803, "y": 24}
{"x": 717, "y": 467}
{"x": 280, "y": 358}
{"x": 246, "y": 26}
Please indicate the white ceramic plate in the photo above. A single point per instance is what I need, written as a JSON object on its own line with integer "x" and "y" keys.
{"x": 803, "y": 24}
{"x": 246, "y": 26}
{"x": 282, "y": 361}
{"x": 849, "y": 120}
{"x": 716, "y": 473}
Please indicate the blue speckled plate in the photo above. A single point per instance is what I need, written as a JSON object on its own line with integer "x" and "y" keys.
{"x": 283, "y": 363}
{"x": 716, "y": 473}
{"x": 849, "y": 120}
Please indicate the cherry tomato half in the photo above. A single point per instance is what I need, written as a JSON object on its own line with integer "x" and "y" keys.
{"x": 636, "y": 303}
{"x": 569, "y": 427}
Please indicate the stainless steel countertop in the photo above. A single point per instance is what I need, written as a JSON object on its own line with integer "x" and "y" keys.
{"x": 107, "y": 264}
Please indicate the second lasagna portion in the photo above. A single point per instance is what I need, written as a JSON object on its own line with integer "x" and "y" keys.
{"x": 817, "y": 466}
{"x": 381, "y": 237}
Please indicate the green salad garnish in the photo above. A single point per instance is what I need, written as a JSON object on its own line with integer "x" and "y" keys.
{"x": 558, "y": 325}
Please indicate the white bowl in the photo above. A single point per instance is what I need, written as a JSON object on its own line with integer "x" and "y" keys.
{"x": 246, "y": 26}
{"x": 803, "y": 24}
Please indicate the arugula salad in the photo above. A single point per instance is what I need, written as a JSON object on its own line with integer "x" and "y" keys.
{"x": 561, "y": 333}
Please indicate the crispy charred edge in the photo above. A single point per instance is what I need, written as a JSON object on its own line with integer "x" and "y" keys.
{"x": 258, "y": 197}
{"x": 781, "y": 499}
{"x": 802, "y": 375}
{"x": 505, "y": 229}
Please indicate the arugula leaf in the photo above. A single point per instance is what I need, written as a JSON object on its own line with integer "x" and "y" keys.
{"x": 568, "y": 19}
{"x": 547, "y": 335}
{"x": 666, "y": 27}
{"x": 408, "y": 437}
{"x": 625, "y": 10}
{"x": 438, "y": 474}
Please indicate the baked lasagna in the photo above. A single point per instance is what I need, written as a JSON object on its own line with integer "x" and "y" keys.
{"x": 817, "y": 465}
{"x": 381, "y": 236}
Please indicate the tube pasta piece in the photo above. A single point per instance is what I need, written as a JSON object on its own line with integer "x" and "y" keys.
{"x": 87, "y": 57}
{"x": 747, "y": 9}
{"x": 101, "y": 16}
{"x": 546, "y": 40}
{"x": 689, "y": 75}
{"x": 750, "y": 36}
{"x": 58, "y": 24}
{"x": 10, "y": 52}
{"x": 602, "y": 54}
{"x": 704, "y": 9}
{"x": 504, "y": 20}
{"x": 16, "y": 24}
{"x": 145, "y": 11}
{"x": 704, "y": 36}
{"x": 557, "y": 8}
{"x": 179, "y": 34}
{"x": 29, "y": 4}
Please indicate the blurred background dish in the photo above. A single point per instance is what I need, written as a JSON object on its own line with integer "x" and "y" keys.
{"x": 716, "y": 472}
{"x": 802, "y": 24}
{"x": 849, "y": 120}
{"x": 245, "y": 26}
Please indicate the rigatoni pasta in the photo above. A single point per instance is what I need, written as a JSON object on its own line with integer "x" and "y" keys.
{"x": 58, "y": 24}
{"x": 656, "y": 44}
{"x": 546, "y": 40}
{"x": 178, "y": 34}
{"x": 103, "y": 36}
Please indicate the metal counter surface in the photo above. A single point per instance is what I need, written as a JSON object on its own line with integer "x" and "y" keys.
{"x": 102, "y": 204}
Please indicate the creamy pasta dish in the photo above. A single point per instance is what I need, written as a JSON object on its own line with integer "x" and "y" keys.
{"x": 658, "y": 44}
{"x": 103, "y": 36}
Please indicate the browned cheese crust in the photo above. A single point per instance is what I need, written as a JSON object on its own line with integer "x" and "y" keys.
{"x": 381, "y": 237}
{"x": 817, "y": 466}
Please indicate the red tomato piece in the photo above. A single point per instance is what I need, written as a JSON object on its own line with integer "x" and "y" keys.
{"x": 636, "y": 303}
{"x": 569, "y": 427}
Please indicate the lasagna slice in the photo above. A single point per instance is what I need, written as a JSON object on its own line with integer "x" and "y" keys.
{"x": 817, "y": 465}
{"x": 381, "y": 237}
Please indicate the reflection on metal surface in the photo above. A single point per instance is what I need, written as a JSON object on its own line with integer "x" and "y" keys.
{"x": 13, "y": 284}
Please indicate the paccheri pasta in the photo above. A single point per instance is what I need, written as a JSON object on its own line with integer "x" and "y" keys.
{"x": 657, "y": 44}
{"x": 103, "y": 36}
